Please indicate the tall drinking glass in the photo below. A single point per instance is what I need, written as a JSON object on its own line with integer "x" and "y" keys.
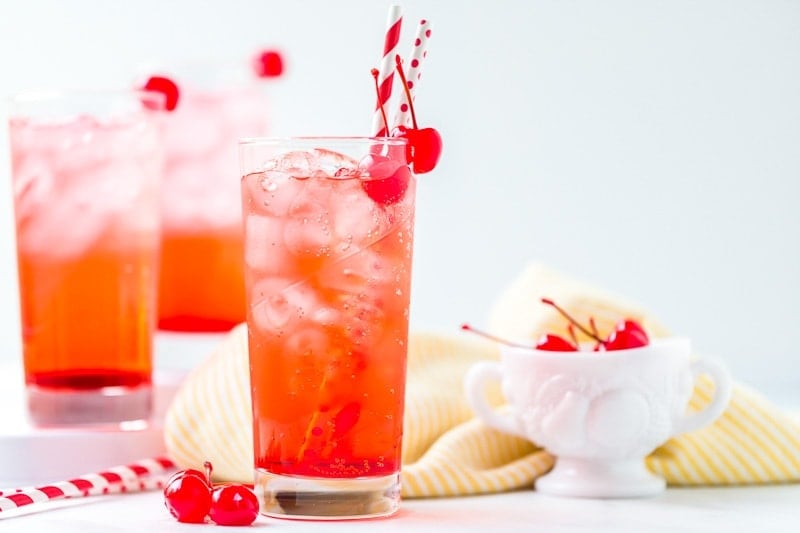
{"x": 86, "y": 170}
{"x": 201, "y": 287}
{"x": 329, "y": 225}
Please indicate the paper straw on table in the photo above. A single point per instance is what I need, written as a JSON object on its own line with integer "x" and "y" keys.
{"x": 386, "y": 72}
{"x": 413, "y": 71}
{"x": 147, "y": 474}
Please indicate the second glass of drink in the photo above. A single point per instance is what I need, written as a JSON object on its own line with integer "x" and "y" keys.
{"x": 86, "y": 171}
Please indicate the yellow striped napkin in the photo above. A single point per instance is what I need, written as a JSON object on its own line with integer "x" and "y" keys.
{"x": 446, "y": 451}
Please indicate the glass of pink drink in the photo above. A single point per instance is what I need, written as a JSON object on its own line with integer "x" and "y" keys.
{"x": 201, "y": 287}
{"x": 86, "y": 170}
{"x": 329, "y": 225}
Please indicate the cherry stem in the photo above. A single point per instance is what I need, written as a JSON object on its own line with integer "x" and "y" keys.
{"x": 467, "y": 327}
{"x": 566, "y": 315}
{"x": 593, "y": 326}
{"x": 571, "y": 331}
{"x": 399, "y": 62}
{"x": 375, "y": 74}
{"x": 208, "y": 468}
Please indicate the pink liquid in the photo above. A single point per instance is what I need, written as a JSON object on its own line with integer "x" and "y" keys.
{"x": 201, "y": 284}
{"x": 328, "y": 275}
{"x": 87, "y": 243}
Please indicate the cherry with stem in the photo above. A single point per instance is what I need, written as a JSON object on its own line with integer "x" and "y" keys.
{"x": 547, "y": 342}
{"x": 424, "y": 145}
{"x": 572, "y": 335}
{"x": 375, "y": 75}
{"x": 389, "y": 178}
{"x": 187, "y": 495}
{"x": 627, "y": 333}
{"x": 467, "y": 327}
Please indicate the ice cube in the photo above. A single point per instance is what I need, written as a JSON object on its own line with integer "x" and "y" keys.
{"x": 66, "y": 227}
{"x": 334, "y": 164}
{"x": 113, "y": 186}
{"x": 264, "y": 252}
{"x": 279, "y": 304}
{"x": 358, "y": 273}
{"x": 325, "y": 316}
{"x": 310, "y": 341}
{"x": 59, "y": 217}
{"x": 357, "y": 220}
{"x": 271, "y": 192}
{"x": 307, "y": 231}
{"x": 298, "y": 164}
{"x": 33, "y": 183}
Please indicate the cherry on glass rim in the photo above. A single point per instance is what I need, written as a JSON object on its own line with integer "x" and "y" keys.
{"x": 388, "y": 179}
{"x": 165, "y": 86}
{"x": 425, "y": 144}
{"x": 268, "y": 64}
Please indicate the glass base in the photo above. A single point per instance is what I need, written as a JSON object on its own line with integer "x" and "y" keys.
{"x": 327, "y": 499}
{"x": 110, "y": 406}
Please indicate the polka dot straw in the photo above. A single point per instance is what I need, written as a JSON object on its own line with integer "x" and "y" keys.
{"x": 413, "y": 70}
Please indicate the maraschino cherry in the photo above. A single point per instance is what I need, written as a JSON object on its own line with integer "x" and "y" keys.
{"x": 548, "y": 342}
{"x": 268, "y": 64}
{"x": 627, "y": 333}
{"x": 425, "y": 144}
{"x": 187, "y": 495}
{"x": 388, "y": 177}
{"x": 165, "y": 86}
{"x": 233, "y": 505}
{"x": 190, "y": 497}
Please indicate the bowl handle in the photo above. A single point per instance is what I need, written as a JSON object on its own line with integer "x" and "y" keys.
{"x": 718, "y": 404}
{"x": 475, "y": 381}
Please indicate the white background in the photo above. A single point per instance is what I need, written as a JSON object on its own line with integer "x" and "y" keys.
{"x": 650, "y": 147}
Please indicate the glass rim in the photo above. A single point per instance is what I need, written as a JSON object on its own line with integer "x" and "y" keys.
{"x": 32, "y": 96}
{"x": 204, "y": 74}
{"x": 321, "y": 139}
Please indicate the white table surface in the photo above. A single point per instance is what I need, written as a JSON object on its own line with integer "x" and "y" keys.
{"x": 774, "y": 508}
{"x": 735, "y": 509}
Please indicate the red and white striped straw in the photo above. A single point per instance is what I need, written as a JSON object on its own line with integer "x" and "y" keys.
{"x": 394, "y": 22}
{"x": 413, "y": 71}
{"x": 135, "y": 477}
